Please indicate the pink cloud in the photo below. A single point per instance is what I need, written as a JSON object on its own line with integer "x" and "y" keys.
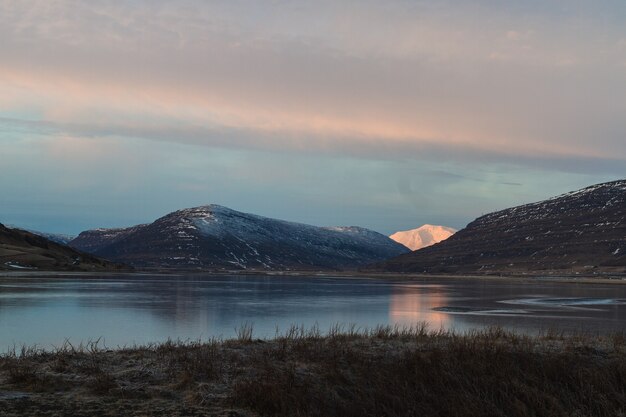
{"x": 323, "y": 82}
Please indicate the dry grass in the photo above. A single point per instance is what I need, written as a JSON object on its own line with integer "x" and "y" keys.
{"x": 345, "y": 371}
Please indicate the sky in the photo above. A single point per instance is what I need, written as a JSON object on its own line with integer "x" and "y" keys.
{"x": 383, "y": 114}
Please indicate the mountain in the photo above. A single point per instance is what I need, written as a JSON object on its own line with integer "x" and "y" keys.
{"x": 93, "y": 241}
{"x": 583, "y": 230}
{"x": 55, "y": 237}
{"x": 217, "y": 237}
{"x": 423, "y": 236}
{"x": 20, "y": 249}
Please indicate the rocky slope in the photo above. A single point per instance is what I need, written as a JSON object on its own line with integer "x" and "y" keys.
{"x": 423, "y": 236}
{"x": 92, "y": 241}
{"x": 583, "y": 230}
{"x": 217, "y": 237}
{"x": 22, "y": 250}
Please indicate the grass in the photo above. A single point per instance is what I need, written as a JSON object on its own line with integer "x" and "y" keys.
{"x": 344, "y": 371}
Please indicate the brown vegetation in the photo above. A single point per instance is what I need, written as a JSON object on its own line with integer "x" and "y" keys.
{"x": 386, "y": 371}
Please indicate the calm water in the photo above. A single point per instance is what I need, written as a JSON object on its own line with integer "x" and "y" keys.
{"x": 139, "y": 309}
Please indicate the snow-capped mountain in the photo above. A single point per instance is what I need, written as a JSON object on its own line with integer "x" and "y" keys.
{"x": 423, "y": 236}
{"x": 583, "y": 230}
{"x": 217, "y": 237}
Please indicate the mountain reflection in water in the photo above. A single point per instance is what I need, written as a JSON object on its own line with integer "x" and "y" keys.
{"x": 128, "y": 309}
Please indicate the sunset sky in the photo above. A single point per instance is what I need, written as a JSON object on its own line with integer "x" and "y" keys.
{"x": 385, "y": 114}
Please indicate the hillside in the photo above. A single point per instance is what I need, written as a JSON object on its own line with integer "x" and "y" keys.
{"x": 583, "y": 230}
{"x": 217, "y": 237}
{"x": 55, "y": 237}
{"x": 22, "y": 250}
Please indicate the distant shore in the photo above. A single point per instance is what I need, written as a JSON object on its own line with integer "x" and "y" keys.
{"x": 386, "y": 371}
{"x": 548, "y": 276}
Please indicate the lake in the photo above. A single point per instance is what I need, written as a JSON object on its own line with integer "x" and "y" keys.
{"x": 123, "y": 310}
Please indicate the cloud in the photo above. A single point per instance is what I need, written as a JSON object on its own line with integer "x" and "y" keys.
{"x": 443, "y": 80}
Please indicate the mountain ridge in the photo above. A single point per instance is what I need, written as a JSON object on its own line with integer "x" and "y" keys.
{"x": 582, "y": 230}
{"x": 61, "y": 238}
{"x": 214, "y": 236}
{"x": 23, "y": 250}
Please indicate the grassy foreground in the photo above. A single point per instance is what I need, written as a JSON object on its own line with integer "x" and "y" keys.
{"x": 386, "y": 371}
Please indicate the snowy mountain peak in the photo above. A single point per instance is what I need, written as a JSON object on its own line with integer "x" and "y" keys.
{"x": 423, "y": 236}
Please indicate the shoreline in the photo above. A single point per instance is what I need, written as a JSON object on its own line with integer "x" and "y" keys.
{"x": 605, "y": 278}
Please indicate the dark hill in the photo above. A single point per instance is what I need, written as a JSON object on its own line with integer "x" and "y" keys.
{"x": 216, "y": 237}
{"x": 579, "y": 231}
{"x": 20, "y": 249}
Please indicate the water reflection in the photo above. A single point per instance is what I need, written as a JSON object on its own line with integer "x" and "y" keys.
{"x": 412, "y": 304}
{"x": 142, "y": 309}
